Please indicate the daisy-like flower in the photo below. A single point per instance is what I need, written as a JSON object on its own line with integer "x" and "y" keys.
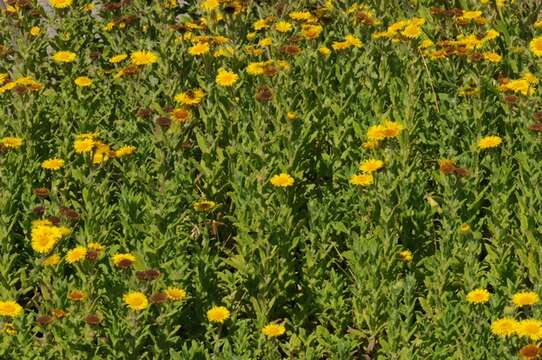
{"x": 175, "y": 294}
{"x": 478, "y": 296}
{"x": 83, "y": 81}
{"x": 143, "y": 57}
{"x": 371, "y": 165}
{"x": 52, "y": 260}
{"x": 11, "y": 142}
{"x": 125, "y": 151}
{"x": 525, "y": 298}
{"x": 118, "y": 58}
{"x": 226, "y": 78}
{"x": 199, "y": 49}
{"x": 489, "y": 142}
{"x": 362, "y": 179}
{"x": 10, "y": 309}
{"x": 204, "y": 205}
{"x": 218, "y": 314}
{"x": 83, "y": 145}
{"x": 536, "y": 46}
{"x": 52, "y": 164}
{"x": 77, "y": 295}
{"x": 190, "y": 97}
{"x": 209, "y": 5}
{"x": 35, "y": 31}
{"x": 136, "y": 300}
{"x": 405, "y": 256}
{"x": 282, "y": 180}
{"x": 504, "y": 327}
{"x": 64, "y": 56}
{"x": 283, "y": 26}
{"x": 273, "y": 330}
{"x": 60, "y": 4}
{"x": 530, "y": 328}
{"x": 123, "y": 260}
{"x": 181, "y": 115}
{"x": 530, "y": 352}
{"x": 76, "y": 254}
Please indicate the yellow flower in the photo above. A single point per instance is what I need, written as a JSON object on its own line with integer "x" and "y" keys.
{"x": 371, "y": 165}
{"x": 209, "y": 5}
{"x": 411, "y": 31}
{"x": 35, "y": 31}
{"x": 471, "y": 15}
{"x": 525, "y": 298}
{"x": 340, "y": 45}
{"x": 391, "y": 129}
{"x": 64, "y": 56}
{"x": 226, "y": 78}
{"x": 324, "y": 51}
{"x": 273, "y": 330}
{"x": 52, "y": 164}
{"x": 76, "y": 254}
{"x": 77, "y": 295}
{"x": 136, "y": 300}
{"x": 11, "y": 142}
{"x": 464, "y": 229}
{"x": 204, "y": 205}
{"x": 44, "y": 237}
{"x": 255, "y": 68}
{"x": 125, "y": 151}
{"x": 282, "y": 180}
{"x": 83, "y": 81}
{"x": 353, "y": 41}
{"x": 283, "y": 26}
{"x": 489, "y": 142}
{"x": 118, "y": 58}
{"x": 265, "y": 42}
{"x": 504, "y": 327}
{"x": 60, "y": 4}
{"x": 492, "y": 57}
{"x": 51, "y": 260}
{"x": 291, "y": 115}
{"x": 478, "y": 296}
{"x": 300, "y": 15}
{"x": 143, "y": 57}
{"x": 198, "y": 49}
{"x": 176, "y": 294}
{"x": 218, "y": 314}
{"x": 83, "y": 145}
{"x": 123, "y": 259}
{"x": 260, "y": 24}
{"x": 405, "y": 256}
{"x": 362, "y": 179}
{"x": 530, "y": 328}
{"x": 10, "y": 308}
{"x": 95, "y": 246}
{"x": 536, "y": 46}
{"x": 10, "y": 329}
{"x": 191, "y": 97}
{"x": 311, "y": 31}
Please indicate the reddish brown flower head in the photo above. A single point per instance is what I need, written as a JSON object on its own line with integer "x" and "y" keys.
{"x": 531, "y": 351}
{"x": 92, "y": 255}
{"x": 44, "y": 320}
{"x": 58, "y": 313}
{"x": 511, "y": 99}
{"x": 41, "y": 192}
{"x": 291, "y": 50}
{"x": 535, "y": 127}
{"x": 164, "y": 122}
{"x": 157, "y": 298}
{"x": 69, "y": 213}
{"x": 39, "y": 210}
{"x": 461, "y": 172}
{"x": 476, "y": 56}
{"x": 270, "y": 70}
{"x": 54, "y": 220}
{"x": 264, "y": 94}
{"x": 146, "y": 275}
{"x": 144, "y": 113}
{"x": 125, "y": 263}
{"x": 93, "y": 319}
{"x": 538, "y": 115}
